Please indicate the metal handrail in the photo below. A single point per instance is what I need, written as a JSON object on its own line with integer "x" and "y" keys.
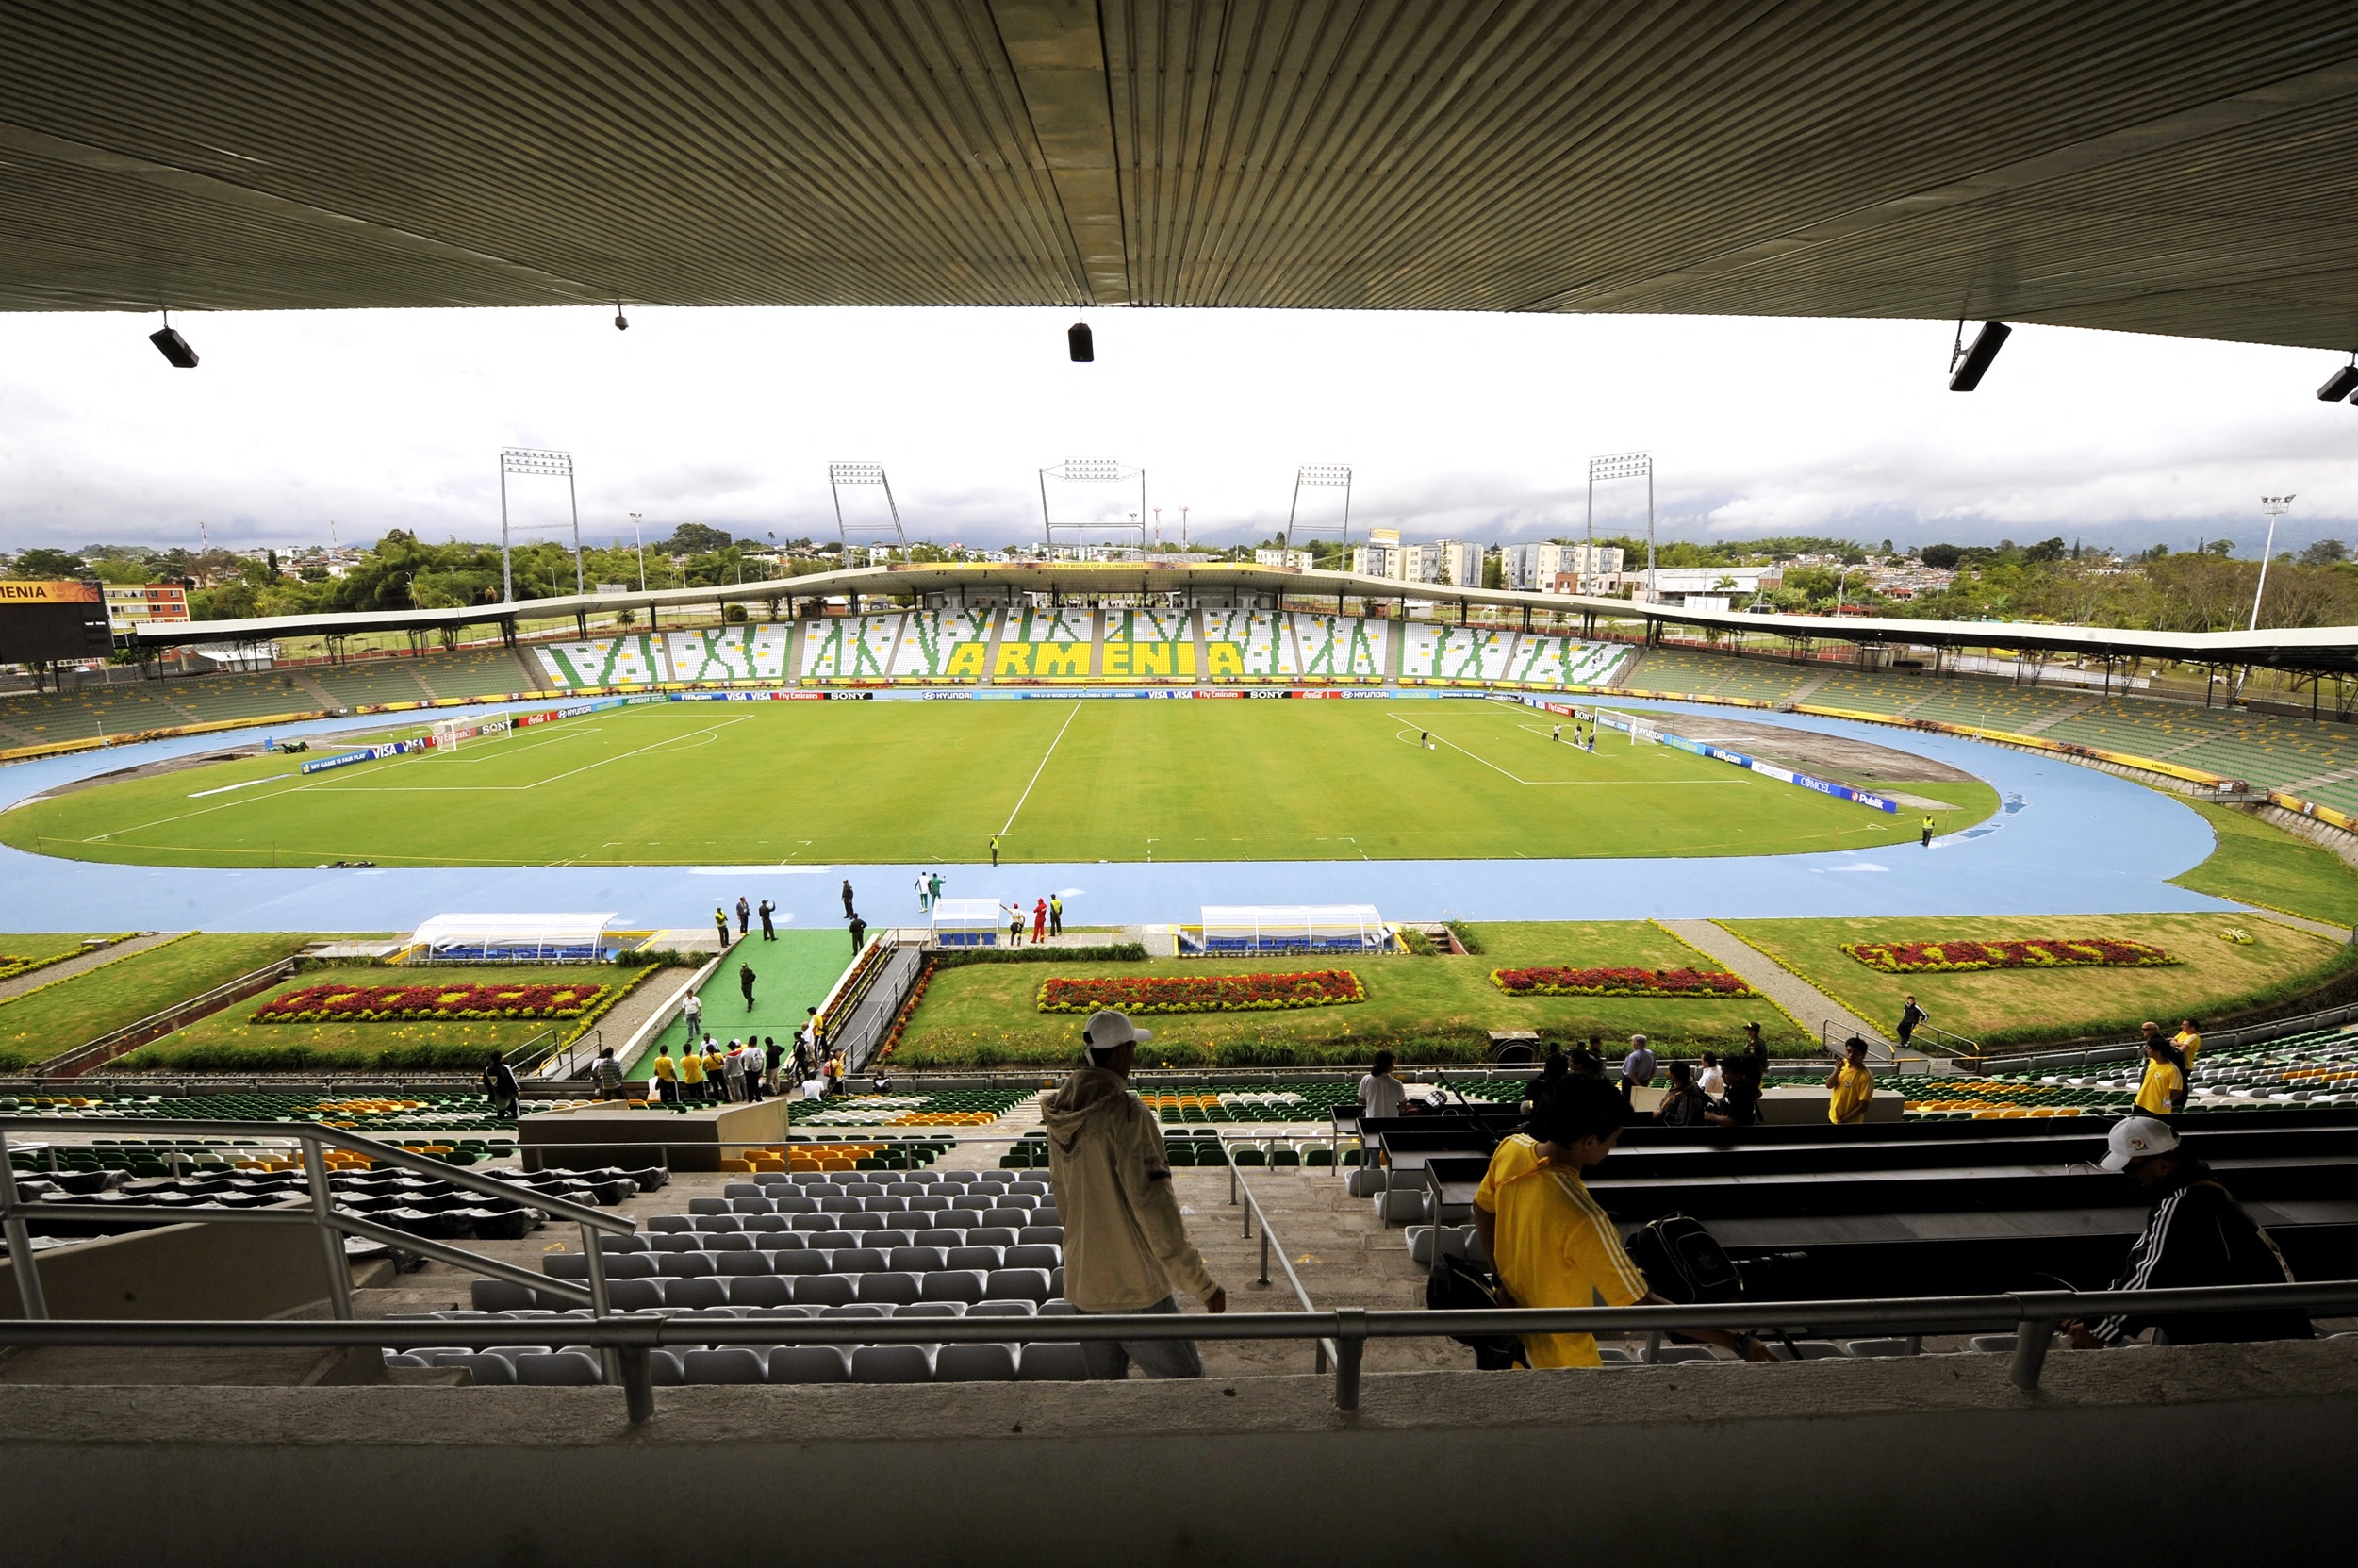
{"x": 2032, "y": 1315}
{"x": 334, "y": 1224}
{"x": 1238, "y": 1187}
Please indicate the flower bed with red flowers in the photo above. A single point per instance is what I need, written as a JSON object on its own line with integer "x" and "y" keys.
{"x": 1548, "y": 982}
{"x": 2039, "y": 952}
{"x": 1205, "y": 993}
{"x": 348, "y": 1003}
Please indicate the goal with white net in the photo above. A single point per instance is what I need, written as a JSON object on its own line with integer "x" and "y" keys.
{"x": 1644, "y": 732}
{"x": 450, "y": 733}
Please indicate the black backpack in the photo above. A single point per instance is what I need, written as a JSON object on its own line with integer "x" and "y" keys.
{"x": 1684, "y": 1262}
{"x": 1457, "y": 1286}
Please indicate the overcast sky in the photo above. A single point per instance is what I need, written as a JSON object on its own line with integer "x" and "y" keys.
{"x": 1456, "y": 425}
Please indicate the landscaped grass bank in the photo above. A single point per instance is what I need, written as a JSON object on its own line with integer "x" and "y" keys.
{"x": 2261, "y": 864}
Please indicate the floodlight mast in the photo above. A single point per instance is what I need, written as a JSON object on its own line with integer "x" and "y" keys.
{"x": 1621, "y": 465}
{"x": 547, "y": 465}
{"x": 2275, "y": 506}
{"x": 840, "y": 474}
{"x": 1320, "y": 477}
{"x": 1091, "y": 470}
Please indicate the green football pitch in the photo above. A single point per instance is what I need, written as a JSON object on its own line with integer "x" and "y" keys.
{"x": 851, "y": 782}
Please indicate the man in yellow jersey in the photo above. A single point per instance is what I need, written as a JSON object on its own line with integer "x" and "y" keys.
{"x": 2164, "y": 1089}
{"x": 1853, "y": 1085}
{"x": 716, "y": 1065}
{"x": 1928, "y": 825}
{"x": 2189, "y": 1042}
{"x": 1551, "y": 1242}
{"x": 666, "y": 1073}
{"x": 691, "y": 1072}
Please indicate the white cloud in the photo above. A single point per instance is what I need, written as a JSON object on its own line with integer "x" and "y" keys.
{"x": 1456, "y": 425}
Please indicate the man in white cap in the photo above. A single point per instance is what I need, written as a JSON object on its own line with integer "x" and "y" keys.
{"x": 1126, "y": 1246}
{"x": 2196, "y": 1235}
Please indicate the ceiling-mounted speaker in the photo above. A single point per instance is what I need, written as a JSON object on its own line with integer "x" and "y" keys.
{"x": 1081, "y": 342}
{"x": 1986, "y": 342}
{"x": 174, "y": 347}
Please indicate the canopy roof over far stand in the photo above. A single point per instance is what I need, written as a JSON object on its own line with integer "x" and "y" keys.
{"x": 510, "y": 938}
{"x": 968, "y": 922}
{"x": 1293, "y": 928}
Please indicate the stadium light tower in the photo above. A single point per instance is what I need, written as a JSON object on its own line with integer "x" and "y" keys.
{"x": 1623, "y": 465}
{"x": 1320, "y": 477}
{"x": 1093, "y": 470}
{"x": 546, "y": 464}
{"x": 2275, "y": 506}
{"x": 840, "y": 474}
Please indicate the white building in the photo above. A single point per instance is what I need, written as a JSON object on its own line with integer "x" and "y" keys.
{"x": 1708, "y": 587}
{"x": 1455, "y": 562}
{"x": 1291, "y": 560}
{"x": 1562, "y": 568}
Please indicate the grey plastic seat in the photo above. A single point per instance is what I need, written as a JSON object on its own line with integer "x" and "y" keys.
{"x": 990, "y": 1235}
{"x": 675, "y": 1241}
{"x": 1007, "y": 1219}
{"x": 688, "y": 1265}
{"x": 669, "y": 1225}
{"x": 772, "y": 1183}
{"x": 831, "y": 1241}
{"x": 888, "y": 1286}
{"x": 760, "y": 1290}
{"x": 741, "y": 1189}
{"x": 810, "y": 1178}
{"x": 884, "y": 1241}
{"x": 864, "y": 1189}
{"x": 707, "y": 1205}
{"x": 702, "y": 1290}
{"x": 931, "y": 1309}
{"x": 780, "y": 1312}
{"x": 763, "y": 1227}
{"x": 1052, "y": 1361}
{"x": 973, "y": 1364}
{"x": 1869, "y": 1349}
{"x": 1034, "y": 1257}
{"x": 1029, "y": 1284}
{"x": 632, "y": 1265}
{"x": 985, "y": 1258}
{"x": 797, "y": 1262}
{"x": 794, "y": 1203}
{"x": 917, "y": 1260}
{"x": 559, "y": 1369}
{"x": 1047, "y": 1215}
{"x": 961, "y": 1176}
{"x": 719, "y": 1224}
{"x": 928, "y": 1202}
{"x": 1056, "y": 1306}
{"x": 485, "y": 1369}
{"x": 751, "y": 1206}
{"x": 636, "y": 1242}
{"x": 1037, "y": 1189}
{"x": 952, "y": 1284}
{"x": 631, "y": 1295}
{"x": 890, "y": 1363}
{"x": 938, "y": 1237}
{"x": 782, "y": 1239}
{"x": 1003, "y": 1308}
{"x": 857, "y": 1259}
{"x": 736, "y": 1241}
{"x": 751, "y": 1262}
{"x": 903, "y": 1189}
{"x": 839, "y": 1203}
{"x": 664, "y": 1368}
{"x": 857, "y": 1309}
{"x": 733, "y": 1363}
{"x": 973, "y": 1200}
{"x": 1040, "y": 1235}
{"x": 883, "y": 1204}
{"x": 823, "y": 1290}
{"x": 813, "y": 1221}
{"x": 809, "y": 1363}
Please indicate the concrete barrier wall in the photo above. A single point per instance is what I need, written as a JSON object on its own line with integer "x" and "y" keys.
{"x": 179, "y": 1271}
{"x": 2214, "y": 1454}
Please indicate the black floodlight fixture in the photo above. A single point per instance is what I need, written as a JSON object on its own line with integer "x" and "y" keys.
{"x": 173, "y": 346}
{"x": 621, "y": 322}
{"x": 1081, "y": 343}
{"x": 1966, "y": 368}
{"x": 2341, "y": 384}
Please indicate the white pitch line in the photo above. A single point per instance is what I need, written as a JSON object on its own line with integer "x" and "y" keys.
{"x": 1042, "y": 768}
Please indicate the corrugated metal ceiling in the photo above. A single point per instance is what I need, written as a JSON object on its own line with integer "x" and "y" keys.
{"x": 2165, "y": 166}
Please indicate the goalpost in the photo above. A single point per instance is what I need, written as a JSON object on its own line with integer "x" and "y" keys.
{"x": 1644, "y": 732}
{"x": 450, "y": 733}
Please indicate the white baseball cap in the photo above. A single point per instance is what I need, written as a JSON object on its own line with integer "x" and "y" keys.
{"x": 1108, "y": 1029}
{"x": 2137, "y": 1138}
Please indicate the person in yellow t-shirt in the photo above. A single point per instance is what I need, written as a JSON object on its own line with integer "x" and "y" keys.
{"x": 691, "y": 1072}
{"x": 2164, "y": 1089}
{"x": 1851, "y": 1084}
{"x": 2189, "y": 1042}
{"x": 667, "y": 1074}
{"x": 1552, "y": 1244}
{"x": 716, "y": 1066}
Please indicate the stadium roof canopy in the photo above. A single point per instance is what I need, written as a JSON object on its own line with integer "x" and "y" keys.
{"x": 2173, "y": 166}
{"x": 2330, "y": 649}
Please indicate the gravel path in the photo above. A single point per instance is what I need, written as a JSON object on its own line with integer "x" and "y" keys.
{"x": 1775, "y": 982}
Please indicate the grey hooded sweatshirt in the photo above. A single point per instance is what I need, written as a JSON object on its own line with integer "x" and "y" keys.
{"x": 1125, "y": 1244}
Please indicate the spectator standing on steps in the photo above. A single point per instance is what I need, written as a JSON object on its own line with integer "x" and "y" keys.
{"x": 745, "y": 984}
{"x": 606, "y": 1076}
{"x": 858, "y": 933}
{"x": 1637, "y": 1072}
{"x": 692, "y": 1015}
{"x": 1910, "y": 1015}
{"x": 1851, "y": 1084}
{"x": 846, "y": 897}
{"x": 1380, "y": 1093}
{"x": 1712, "y": 1081}
{"x": 2189, "y": 1042}
{"x": 666, "y": 1073}
{"x": 745, "y": 916}
{"x": 692, "y": 1071}
{"x": 1126, "y": 1246}
{"x": 2163, "y": 1091}
{"x": 499, "y": 1084}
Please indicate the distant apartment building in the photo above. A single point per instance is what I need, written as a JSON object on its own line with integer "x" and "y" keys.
{"x": 1708, "y": 587}
{"x": 1455, "y": 562}
{"x": 1562, "y": 568}
{"x": 1292, "y": 560}
{"x": 130, "y": 602}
